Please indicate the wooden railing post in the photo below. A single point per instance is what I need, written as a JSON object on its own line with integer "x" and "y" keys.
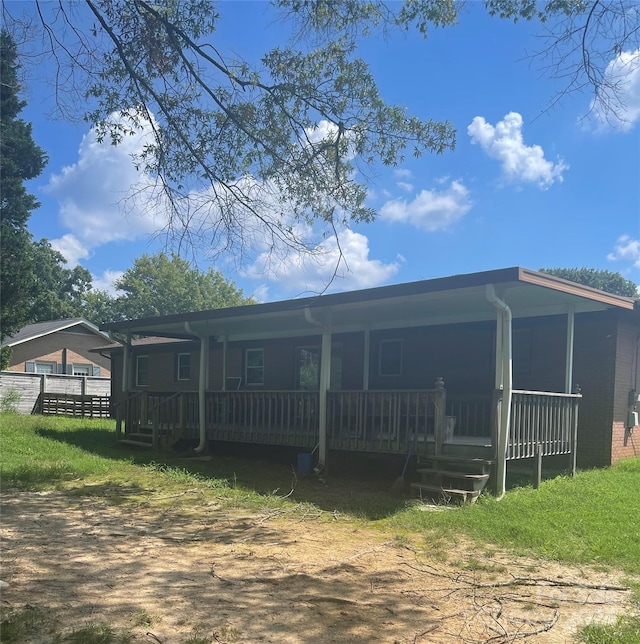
{"x": 144, "y": 409}
{"x": 155, "y": 428}
{"x": 574, "y": 430}
{"x": 438, "y": 419}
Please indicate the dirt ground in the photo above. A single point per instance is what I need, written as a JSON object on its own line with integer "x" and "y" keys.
{"x": 213, "y": 575}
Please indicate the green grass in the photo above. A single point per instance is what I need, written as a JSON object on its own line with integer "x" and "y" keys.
{"x": 587, "y": 519}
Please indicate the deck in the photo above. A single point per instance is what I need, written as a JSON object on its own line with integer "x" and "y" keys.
{"x": 390, "y": 422}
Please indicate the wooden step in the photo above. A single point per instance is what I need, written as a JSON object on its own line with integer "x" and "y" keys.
{"x": 452, "y": 473}
{"x": 475, "y": 460}
{"x": 445, "y": 478}
{"x": 126, "y": 441}
{"x": 445, "y": 493}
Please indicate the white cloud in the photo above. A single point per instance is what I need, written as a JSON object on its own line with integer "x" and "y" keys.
{"x": 520, "y": 163}
{"x": 403, "y": 173}
{"x": 106, "y": 281}
{"x": 619, "y": 102}
{"x": 431, "y": 210}
{"x": 304, "y": 272}
{"x": 71, "y": 248}
{"x": 403, "y": 185}
{"x": 103, "y": 198}
{"x": 626, "y": 250}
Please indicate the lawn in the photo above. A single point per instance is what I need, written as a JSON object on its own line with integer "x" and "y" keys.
{"x": 589, "y": 519}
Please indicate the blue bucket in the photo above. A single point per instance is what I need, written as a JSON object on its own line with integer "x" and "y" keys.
{"x": 305, "y": 463}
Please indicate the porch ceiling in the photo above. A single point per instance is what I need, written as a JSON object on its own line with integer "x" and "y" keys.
{"x": 460, "y": 298}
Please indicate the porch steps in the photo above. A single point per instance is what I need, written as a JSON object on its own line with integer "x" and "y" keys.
{"x": 127, "y": 441}
{"x": 144, "y": 437}
{"x": 451, "y": 478}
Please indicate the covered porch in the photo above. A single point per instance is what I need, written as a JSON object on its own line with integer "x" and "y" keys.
{"x": 457, "y": 330}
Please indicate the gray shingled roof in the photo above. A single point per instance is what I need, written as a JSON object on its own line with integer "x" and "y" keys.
{"x": 38, "y": 329}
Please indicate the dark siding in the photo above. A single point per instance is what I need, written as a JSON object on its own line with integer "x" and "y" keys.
{"x": 594, "y": 371}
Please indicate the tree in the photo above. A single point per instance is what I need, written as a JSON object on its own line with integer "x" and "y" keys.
{"x": 243, "y": 155}
{"x": 60, "y": 291}
{"x": 597, "y": 278}
{"x": 160, "y": 285}
{"x": 20, "y": 160}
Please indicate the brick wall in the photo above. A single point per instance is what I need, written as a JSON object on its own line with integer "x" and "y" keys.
{"x": 51, "y": 348}
{"x": 625, "y": 444}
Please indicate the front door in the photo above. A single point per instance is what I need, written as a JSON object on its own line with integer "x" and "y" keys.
{"x": 308, "y": 368}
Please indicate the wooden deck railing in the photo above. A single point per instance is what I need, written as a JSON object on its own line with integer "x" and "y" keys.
{"x": 268, "y": 410}
{"x": 385, "y": 421}
{"x": 472, "y": 414}
{"x": 377, "y": 421}
{"x": 543, "y": 424}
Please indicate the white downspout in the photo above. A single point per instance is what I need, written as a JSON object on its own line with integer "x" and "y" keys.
{"x": 325, "y": 378}
{"x": 568, "y": 372}
{"x": 507, "y": 387}
{"x": 202, "y": 385}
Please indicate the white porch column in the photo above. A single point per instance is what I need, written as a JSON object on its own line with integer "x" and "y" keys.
{"x": 203, "y": 378}
{"x": 504, "y": 381}
{"x": 224, "y": 363}
{"x": 365, "y": 365}
{"x": 126, "y": 371}
{"x": 568, "y": 377}
{"x": 325, "y": 383}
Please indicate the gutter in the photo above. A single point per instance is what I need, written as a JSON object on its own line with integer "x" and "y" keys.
{"x": 506, "y": 384}
{"x": 202, "y": 385}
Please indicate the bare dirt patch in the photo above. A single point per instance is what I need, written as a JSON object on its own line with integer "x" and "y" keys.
{"x": 171, "y": 575}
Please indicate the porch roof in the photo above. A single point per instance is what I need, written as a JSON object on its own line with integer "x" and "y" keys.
{"x": 459, "y": 298}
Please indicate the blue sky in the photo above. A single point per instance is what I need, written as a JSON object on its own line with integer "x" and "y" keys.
{"x": 526, "y": 185}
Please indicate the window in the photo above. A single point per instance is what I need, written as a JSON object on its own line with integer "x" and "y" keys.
{"x": 184, "y": 366}
{"x": 45, "y": 367}
{"x": 390, "y": 358}
{"x": 254, "y": 367}
{"x": 142, "y": 371}
{"x": 81, "y": 370}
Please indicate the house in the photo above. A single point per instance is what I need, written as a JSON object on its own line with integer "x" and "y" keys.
{"x": 53, "y": 368}
{"x": 468, "y": 372}
{"x": 59, "y": 347}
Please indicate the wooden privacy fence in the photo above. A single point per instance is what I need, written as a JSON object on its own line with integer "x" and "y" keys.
{"x": 52, "y": 404}
{"x": 542, "y": 424}
{"x": 25, "y": 388}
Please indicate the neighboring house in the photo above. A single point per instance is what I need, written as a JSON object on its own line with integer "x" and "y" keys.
{"x": 484, "y": 365}
{"x": 59, "y": 347}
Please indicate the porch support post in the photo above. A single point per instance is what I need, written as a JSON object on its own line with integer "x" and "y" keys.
{"x": 126, "y": 370}
{"x": 202, "y": 391}
{"x": 365, "y": 362}
{"x": 568, "y": 381}
{"x": 504, "y": 378}
{"x": 125, "y": 364}
{"x": 203, "y": 381}
{"x": 325, "y": 378}
{"x": 224, "y": 363}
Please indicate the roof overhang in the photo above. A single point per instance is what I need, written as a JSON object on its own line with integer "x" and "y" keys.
{"x": 456, "y": 299}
